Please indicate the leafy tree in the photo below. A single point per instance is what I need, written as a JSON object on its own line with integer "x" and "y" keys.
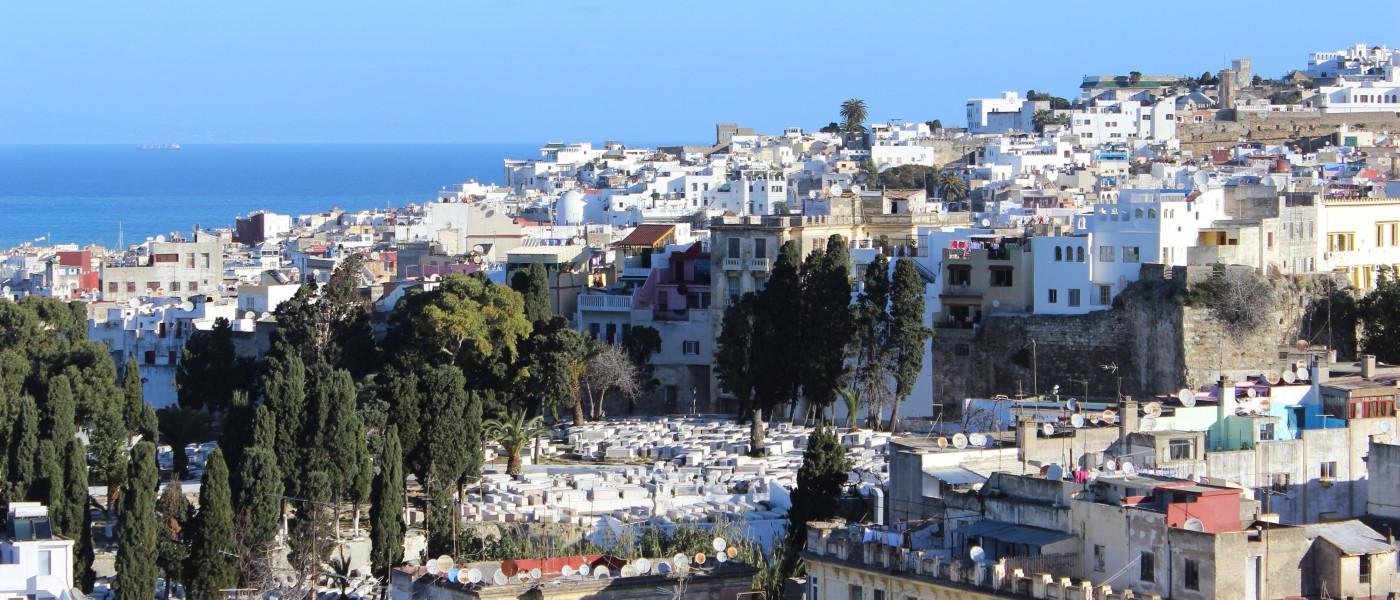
{"x": 820, "y": 483}
{"x": 386, "y": 507}
{"x": 235, "y": 431}
{"x": 853, "y": 115}
{"x": 734, "y": 359}
{"x": 180, "y": 427}
{"x": 514, "y": 433}
{"x": 935, "y": 124}
{"x": 342, "y": 438}
{"x": 473, "y": 431}
{"x": 556, "y": 357}
{"x": 907, "y": 331}
{"x": 1056, "y": 102}
{"x": 1045, "y": 118}
{"x": 1379, "y": 312}
{"x": 466, "y": 321}
{"x": 778, "y": 334}
{"x": 344, "y": 316}
{"x": 399, "y": 390}
{"x": 1208, "y": 78}
{"x": 59, "y": 412}
{"x": 24, "y": 449}
{"x": 443, "y": 452}
{"x": 832, "y": 127}
{"x": 533, "y": 285}
{"x": 210, "y": 370}
{"x": 212, "y": 538}
{"x": 136, "y": 527}
{"x": 642, "y": 342}
{"x": 173, "y": 514}
{"x": 912, "y": 177}
{"x": 872, "y": 335}
{"x": 827, "y": 323}
{"x": 1134, "y": 77}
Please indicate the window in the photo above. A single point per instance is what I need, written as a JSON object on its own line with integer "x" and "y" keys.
{"x": 1074, "y": 297}
{"x": 856, "y": 592}
{"x": 1147, "y": 567}
{"x": 691, "y": 347}
{"x": 1329, "y": 470}
{"x": 194, "y": 286}
{"x": 880, "y": 594}
{"x": 1192, "y": 578}
{"x": 111, "y": 287}
{"x": 959, "y": 275}
{"x": 733, "y": 247}
{"x": 1079, "y": 254}
{"x": 962, "y": 350}
{"x": 174, "y": 286}
{"x": 1365, "y": 569}
{"x": 1059, "y": 256}
{"x": 167, "y": 258}
{"x": 1053, "y": 297}
{"x": 732, "y": 282}
{"x": 593, "y": 330}
{"x": 760, "y": 248}
{"x": 1181, "y": 449}
{"x": 1105, "y": 294}
{"x": 1001, "y": 277}
{"x": 1278, "y": 483}
{"x": 150, "y": 357}
{"x": 46, "y": 563}
{"x": 1341, "y": 242}
{"x": 189, "y": 260}
{"x": 815, "y": 584}
{"x": 204, "y": 259}
{"x": 1130, "y": 254}
{"x": 1266, "y": 432}
{"x": 131, "y": 287}
{"x": 1098, "y": 558}
{"x": 1105, "y": 253}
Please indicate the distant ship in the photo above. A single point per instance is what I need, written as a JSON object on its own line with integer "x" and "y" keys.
{"x": 158, "y": 147}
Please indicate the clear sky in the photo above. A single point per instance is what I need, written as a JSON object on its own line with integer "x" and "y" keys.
{"x": 137, "y": 71}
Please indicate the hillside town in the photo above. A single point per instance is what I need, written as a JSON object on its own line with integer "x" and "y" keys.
{"x": 1136, "y": 343}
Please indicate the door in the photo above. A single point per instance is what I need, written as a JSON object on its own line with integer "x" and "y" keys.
{"x": 1251, "y": 579}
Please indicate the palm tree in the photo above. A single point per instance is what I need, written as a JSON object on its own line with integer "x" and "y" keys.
{"x": 953, "y": 187}
{"x": 340, "y": 571}
{"x": 514, "y": 433}
{"x": 853, "y": 115}
{"x": 851, "y": 396}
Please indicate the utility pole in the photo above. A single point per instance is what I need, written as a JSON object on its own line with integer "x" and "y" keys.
{"x": 1035, "y": 370}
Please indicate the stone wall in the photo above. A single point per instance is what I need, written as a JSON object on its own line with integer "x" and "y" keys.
{"x": 1154, "y": 340}
{"x": 1304, "y": 128}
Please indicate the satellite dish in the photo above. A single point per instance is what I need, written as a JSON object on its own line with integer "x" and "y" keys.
{"x": 643, "y": 566}
{"x": 959, "y": 441}
{"x": 601, "y": 573}
{"x": 1095, "y": 418}
{"x": 1303, "y": 374}
{"x": 1148, "y": 424}
{"x": 249, "y": 315}
{"x": 699, "y": 558}
{"x": 1128, "y": 468}
{"x": 584, "y": 570}
{"x": 566, "y": 571}
{"x": 663, "y": 567}
{"x": 432, "y": 567}
{"x": 1110, "y": 465}
{"x": 1054, "y": 472}
{"x": 1076, "y": 420}
{"x": 535, "y": 573}
{"x": 499, "y": 578}
{"x": 976, "y": 553}
{"x": 1187, "y": 398}
{"x": 680, "y": 562}
{"x": 1194, "y": 524}
{"x": 1249, "y": 391}
{"x": 942, "y": 442}
{"x": 629, "y": 571}
{"x": 187, "y": 306}
{"x": 1153, "y": 409}
{"x": 134, "y": 303}
{"x": 722, "y": 557}
{"x": 1386, "y": 426}
{"x": 1072, "y": 404}
{"x": 474, "y": 575}
{"x": 1047, "y": 429}
{"x": 1264, "y": 405}
{"x": 1109, "y": 416}
{"x": 1272, "y": 378}
{"x": 732, "y": 552}
{"x": 454, "y": 574}
{"x": 1289, "y": 377}
{"x": 977, "y": 440}
{"x": 986, "y": 222}
{"x": 996, "y": 303}
{"x": 719, "y": 544}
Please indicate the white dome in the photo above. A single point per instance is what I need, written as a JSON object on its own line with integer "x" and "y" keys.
{"x": 569, "y": 209}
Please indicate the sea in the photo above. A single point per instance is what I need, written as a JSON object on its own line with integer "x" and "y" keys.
{"x": 92, "y": 194}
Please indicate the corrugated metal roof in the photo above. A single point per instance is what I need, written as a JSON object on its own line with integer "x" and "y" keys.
{"x": 1352, "y": 537}
{"x": 954, "y": 475}
{"x": 1014, "y": 534}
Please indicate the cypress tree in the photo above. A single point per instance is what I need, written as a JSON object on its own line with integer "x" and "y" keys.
{"x": 473, "y": 432}
{"x": 75, "y": 521}
{"x": 827, "y": 322}
{"x": 108, "y": 442}
{"x": 24, "y": 449}
{"x": 820, "y": 482}
{"x": 533, "y": 284}
{"x": 174, "y": 512}
{"x": 342, "y": 436}
{"x": 907, "y": 332}
{"x": 48, "y": 485}
{"x": 872, "y": 336}
{"x": 84, "y": 556}
{"x": 58, "y": 412}
{"x": 778, "y": 333}
{"x": 386, "y": 508}
{"x": 235, "y": 435}
{"x": 285, "y": 387}
{"x": 310, "y": 532}
{"x": 265, "y": 429}
{"x": 211, "y": 540}
{"x": 136, "y": 527}
{"x": 259, "y": 503}
{"x": 401, "y": 393}
{"x": 132, "y": 409}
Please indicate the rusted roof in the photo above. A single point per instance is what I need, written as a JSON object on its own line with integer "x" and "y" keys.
{"x": 647, "y": 235}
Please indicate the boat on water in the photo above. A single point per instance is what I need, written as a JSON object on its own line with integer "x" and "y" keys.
{"x": 158, "y": 147}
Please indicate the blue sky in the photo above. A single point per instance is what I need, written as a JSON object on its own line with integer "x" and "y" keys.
{"x": 136, "y": 71}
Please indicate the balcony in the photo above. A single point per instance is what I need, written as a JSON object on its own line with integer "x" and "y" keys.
{"x": 605, "y": 302}
{"x": 760, "y": 264}
{"x": 733, "y": 264}
{"x": 636, "y": 272}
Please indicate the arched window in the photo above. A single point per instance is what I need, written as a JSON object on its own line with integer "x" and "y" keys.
{"x": 1137, "y": 214}
{"x": 1151, "y": 213}
{"x": 1059, "y": 254}
{"x": 1079, "y": 254}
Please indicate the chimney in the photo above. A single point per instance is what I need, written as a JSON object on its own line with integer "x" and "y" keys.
{"x": 1127, "y": 421}
{"x": 1225, "y": 391}
{"x": 1025, "y": 437}
{"x": 1321, "y": 368}
{"x": 1368, "y": 366}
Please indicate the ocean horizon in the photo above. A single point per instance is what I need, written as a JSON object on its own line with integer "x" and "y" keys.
{"x": 89, "y": 194}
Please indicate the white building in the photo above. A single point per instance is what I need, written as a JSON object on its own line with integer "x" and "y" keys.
{"x": 35, "y": 563}
{"x": 1358, "y": 60}
{"x": 1125, "y": 121}
{"x": 1380, "y": 94}
{"x": 180, "y": 268}
{"x": 751, "y": 191}
{"x": 154, "y": 333}
{"x": 1006, "y": 114}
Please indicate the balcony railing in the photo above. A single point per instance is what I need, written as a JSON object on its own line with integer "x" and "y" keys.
{"x": 760, "y": 264}
{"x": 733, "y": 264}
{"x": 605, "y": 302}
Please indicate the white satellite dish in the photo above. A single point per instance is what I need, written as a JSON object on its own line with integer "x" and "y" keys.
{"x": 584, "y": 570}
{"x": 1095, "y": 418}
{"x": 680, "y": 562}
{"x": 566, "y": 571}
{"x": 722, "y": 557}
{"x": 986, "y": 222}
{"x": 1110, "y": 465}
{"x": 187, "y": 306}
{"x": 464, "y": 576}
{"x": 1153, "y": 409}
{"x": 1249, "y": 391}
{"x": 1303, "y": 374}
{"x": 1385, "y": 427}
{"x": 1072, "y": 404}
{"x": 601, "y": 573}
{"x": 1047, "y": 429}
{"x": 699, "y": 558}
{"x": 1187, "y": 398}
{"x": 719, "y": 544}
{"x": 1289, "y": 377}
{"x": 1076, "y": 420}
{"x": 643, "y": 566}
{"x": 1128, "y": 467}
{"x": 629, "y": 571}
{"x": 445, "y": 562}
{"x": 499, "y": 578}
{"x": 977, "y": 440}
{"x": 535, "y": 573}
{"x": 976, "y": 553}
{"x": 1148, "y": 424}
{"x": 432, "y": 567}
{"x": 959, "y": 441}
{"x": 1109, "y": 416}
{"x": 1194, "y": 524}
